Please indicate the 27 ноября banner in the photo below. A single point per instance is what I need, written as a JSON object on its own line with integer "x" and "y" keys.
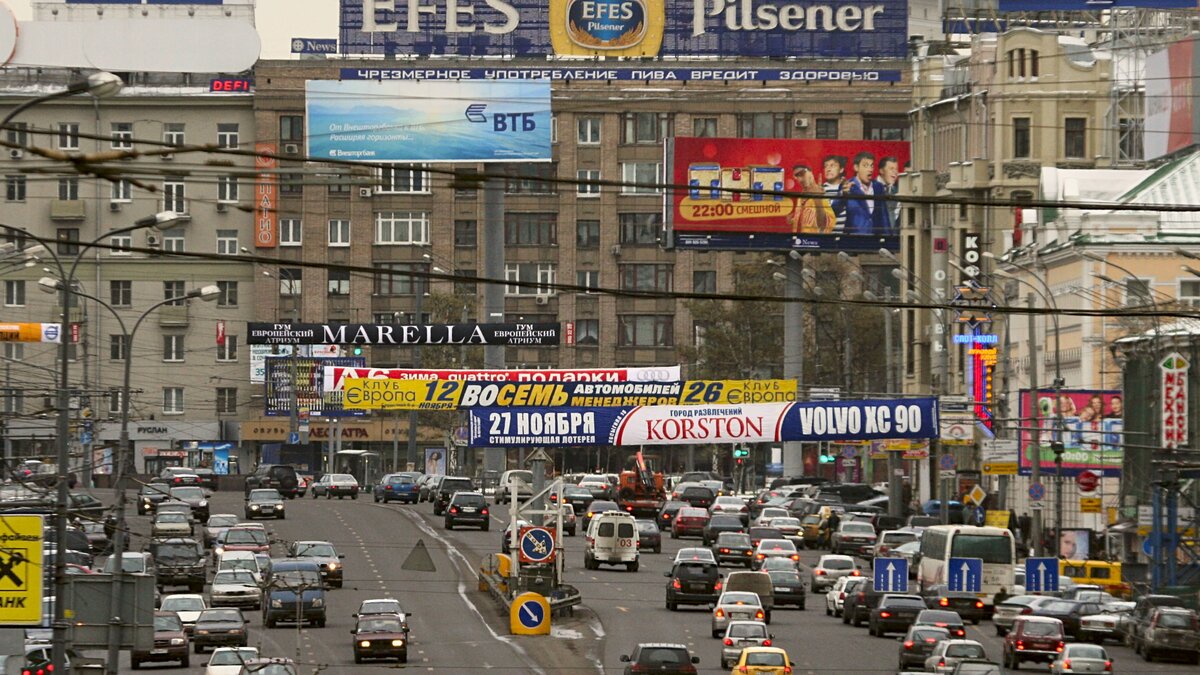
{"x": 914, "y": 418}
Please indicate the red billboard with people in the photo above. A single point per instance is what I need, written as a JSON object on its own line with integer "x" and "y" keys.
{"x": 772, "y": 194}
{"x": 1093, "y": 428}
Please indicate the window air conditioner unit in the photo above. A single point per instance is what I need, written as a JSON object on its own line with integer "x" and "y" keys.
{"x": 222, "y": 207}
{"x": 364, "y": 192}
{"x": 801, "y": 122}
{"x": 153, "y": 239}
{"x": 16, "y": 153}
{"x": 291, "y": 148}
{"x": 542, "y": 300}
{"x": 167, "y": 157}
{"x": 616, "y": 250}
{"x": 114, "y": 206}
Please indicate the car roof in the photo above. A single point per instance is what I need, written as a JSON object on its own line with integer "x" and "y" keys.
{"x": 657, "y": 645}
{"x": 1038, "y": 619}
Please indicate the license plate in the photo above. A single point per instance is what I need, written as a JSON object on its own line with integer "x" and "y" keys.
{"x": 468, "y": 509}
{"x": 781, "y": 589}
{"x": 698, "y": 588}
{"x": 158, "y": 651}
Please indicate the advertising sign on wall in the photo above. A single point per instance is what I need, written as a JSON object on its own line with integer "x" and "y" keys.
{"x": 266, "y": 196}
{"x": 1093, "y": 428}
{"x": 508, "y": 334}
{"x": 428, "y": 121}
{"x": 31, "y": 332}
{"x": 1173, "y": 397}
{"x": 870, "y": 29}
{"x": 335, "y": 378}
{"x": 735, "y": 193}
{"x": 739, "y": 73}
{"x": 311, "y": 396}
{"x": 383, "y": 394}
{"x": 665, "y": 425}
{"x": 1171, "y": 116}
{"x": 1089, "y": 5}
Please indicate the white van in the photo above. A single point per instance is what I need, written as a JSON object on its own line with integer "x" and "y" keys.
{"x": 522, "y": 480}
{"x": 612, "y": 539}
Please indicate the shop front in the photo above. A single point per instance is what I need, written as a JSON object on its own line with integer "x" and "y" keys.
{"x": 158, "y": 445}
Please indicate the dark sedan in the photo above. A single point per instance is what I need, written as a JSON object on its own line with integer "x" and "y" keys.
{"x": 150, "y": 496}
{"x": 895, "y": 613}
{"x": 208, "y": 478}
{"x": 380, "y": 636}
{"x": 733, "y": 548}
{"x": 264, "y": 503}
{"x": 598, "y": 506}
{"x": 667, "y": 514}
{"x": 757, "y": 534}
{"x": 224, "y": 627}
{"x": 941, "y": 618}
{"x": 195, "y": 497}
{"x": 918, "y": 644}
{"x": 719, "y": 523}
{"x": 1069, "y": 612}
{"x": 170, "y": 643}
{"x": 969, "y": 606}
{"x": 788, "y": 588}
{"x": 579, "y": 498}
{"x": 698, "y": 496}
{"x": 649, "y": 536}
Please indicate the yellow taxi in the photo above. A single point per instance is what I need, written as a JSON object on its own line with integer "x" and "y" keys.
{"x": 1106, "y": 575}
{"x": 810, "y": 526}
{"x": 763, "y": 660}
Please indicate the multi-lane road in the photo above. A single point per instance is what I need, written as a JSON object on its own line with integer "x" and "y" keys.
{"x": 457, "y": 628}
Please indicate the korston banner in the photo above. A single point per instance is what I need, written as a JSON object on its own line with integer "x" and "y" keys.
{"x": 508, "y": 334}
{"x": 376, "y": 394}
{"x": 335, "y": 378}
{"x": 914, "y": 418}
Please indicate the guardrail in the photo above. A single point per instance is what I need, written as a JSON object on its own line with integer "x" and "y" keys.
{"x": 562, "y": 599}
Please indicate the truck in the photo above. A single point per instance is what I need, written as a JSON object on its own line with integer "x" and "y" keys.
{"x": 640, "y": 489}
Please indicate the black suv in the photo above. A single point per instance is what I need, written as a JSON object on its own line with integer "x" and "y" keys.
{"x": 446, "y": 489}
{"x": 282, "y": 477}
{"x": 857, "y": 606}
{"x": 150, "y": 496}
{"x": 180, "y": 562}
{"x": 693, "y": 583}
{"x": 467, "y": 508}
{"x": 661, "y": 659}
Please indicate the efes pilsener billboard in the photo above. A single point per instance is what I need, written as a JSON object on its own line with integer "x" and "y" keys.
{"x": 852, "y": 29}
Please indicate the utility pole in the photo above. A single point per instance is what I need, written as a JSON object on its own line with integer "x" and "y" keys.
{"x": 419, "y": 289}
{"x": 941, "y": 280}
{"x": 1035, "y": 461}
{"x": 495, "y": 459}
{"x": 895, "y": 470}
{"x": 793, "y": 356}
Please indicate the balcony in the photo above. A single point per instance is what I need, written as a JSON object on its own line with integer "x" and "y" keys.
{"x": 173, "y": 316}
{"x": 969, "y": 175}
{"x": 67, "y": 209}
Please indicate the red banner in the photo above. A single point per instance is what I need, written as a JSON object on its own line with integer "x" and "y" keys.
{"x": 335, "y": 376}
{"x": 266, "y": 197}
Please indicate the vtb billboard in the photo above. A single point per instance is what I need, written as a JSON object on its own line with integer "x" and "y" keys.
{"x": 780, "y": 194}
{"x": 428, "y": 121}
{"x": 859, "y": 29}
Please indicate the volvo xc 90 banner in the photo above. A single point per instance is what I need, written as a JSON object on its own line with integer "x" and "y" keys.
{"x": 914, "y": 418}
{"x": 507, "y": 334}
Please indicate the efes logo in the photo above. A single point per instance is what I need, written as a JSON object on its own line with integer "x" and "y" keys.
{"x": 606, "y": 27}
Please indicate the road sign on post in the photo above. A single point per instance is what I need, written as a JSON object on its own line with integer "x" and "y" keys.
{"x": 529, "y": 614}
{"x": 964, "y": 575}
{"x": 891, "y": 575}
{"x": 1041, "y": 575}
{"x": 21, "y": 571}
{"x": 536, "y": 545}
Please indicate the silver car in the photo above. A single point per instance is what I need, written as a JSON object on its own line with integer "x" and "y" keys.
{"x": 236, "y": 588}
{"x": 1007, "y": 612}
{"x": 948, "y": 653}
{"x": 1081, "y": 658}
{"x": 829, "y": 569}
{"x": 1110, "y": 624}
{"x": 736, "y": 606}
{"x": 738, "y": 636}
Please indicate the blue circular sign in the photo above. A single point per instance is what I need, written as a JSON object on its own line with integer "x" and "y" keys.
{"x": 948, "y": 462}
{"x": 531, "y": 614}
{"x": 1037, "y": 492}
{"x": 537, "y": 544}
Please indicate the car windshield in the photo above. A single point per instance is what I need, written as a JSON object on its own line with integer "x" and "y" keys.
{"x": 165, "y": 624}
{"x": 765, "y": 659}
{"x": 647, "y": 526}
{"x": 784, "y": 576}
{"x": 785, "y": 522}
{"x": 746, "y": 630}
{"x": 380, "y": 607}
{"x": 187, "y": 493}
{"x": 381, "y": 625}
{"x": 171, "y": 517}
{"x": 1041, "y": 629}
{"x": 837, "y": 564}
{"x": 274, "y": 669}
{"x": 239, "y": 564}
{"x": 934, "y": 616}
{"x": 220, "y": 616}
{"x": 905, "y": 602}
{"x": 1086, "y": 652}
{"x": 265, "y": 496}
{"x": 733, "y": 539}
{"x": 320, "y": 550}
{"x": 575, "y": 491}
{"x": 931, "y": 635}
{"x": 342, "y": 478}
{"x": 232, "y": 657}
{"x": 182, "y": 604}
{"x": 470, "y": 500}
{"x": 725, "y": 521}
{"x": 991, "y": 549}
{"x": 238, "y": 576}
{"x": 730, "y": 501}
{"x": 154, "y": 490}
{"x": 299, "y": 577}
{"x": 858, "y": 528}
{"x": 173, "y": 552}
{"x": 740, "y": 599}
{"x": 1176, "y": 620}
{"x": 694, "y": 571}
{"x": 777, "y": 545}
{"x": 222, "y": 521}
{"x": 966, "y": 651}
{"x": 240, "y": 536}
{"x": 899, "y": 537}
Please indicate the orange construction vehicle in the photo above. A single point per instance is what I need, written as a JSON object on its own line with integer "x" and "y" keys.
{"x": 640, "y": 489}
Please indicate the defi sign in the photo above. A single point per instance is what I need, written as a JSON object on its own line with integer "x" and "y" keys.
{"x": 230, "y": 84}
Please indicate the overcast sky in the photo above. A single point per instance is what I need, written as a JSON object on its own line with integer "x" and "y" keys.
{"x": 278, "y": 21}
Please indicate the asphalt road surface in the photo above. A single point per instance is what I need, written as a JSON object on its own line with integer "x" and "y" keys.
{"x": 457, "y": 628}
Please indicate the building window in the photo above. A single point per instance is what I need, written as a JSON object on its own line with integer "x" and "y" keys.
{"x": 114, "y": 401}
{"x": 291, "y": 281}
{"x": 291, "y": 184}
{"x": 227, "y": 401}
{"x": 14, "y": 188}
{"x": 640, "y": 229}
{"x": 339, "y": 282}
{"x": 68, "y": 135}
{"x": 14, "y": 351}
{"x": 466, "y": 287}
{"x": 172, "y": 401}
{"x": 401, "y": 228}
{"x": 641, "y": 178}
{"x": 645, "y": 330}
{"x": 173, "y": 290}
{"x": 339, "y": 232}
{"x": 827, "y": 128}
{"x": 227, "y": 135}
{"x": 587, "y": 185}
{"x": 173, "y": 133}
{"x": 1137, "y": 292}
{"x": 699, "y": 333}
{"x": 646, "y": 277}
{"x": 589, "y": 279}
{"x": 588, "y": 130}
{"x": 466, "y": 234}
{"x": 173, "y": 240}
{"x": 227, "y": 242}
{"x": 68, "y": 241}
{"x": 14, "y": 401}
{"x": 646, "y": 127}
{"x": 17, "y": 133}
{"x": 68, "y": 188}
{"x": 172, "y": 348}
{"x": 587, "y": 234}
{"x": 122, "y": 135}
{"x": 539, "y": 275}
{"x": 587, "y": 332}
{"x": 227, "y": 189}
{"x": 339, "y": 183}
{"x": 1189, "y": 292}
{"x": 291, "y": 232}
{"x": 704, "y": 127}
{"x": 763, "y": 125}
{"x": 120, "y": 293}
{"x": 1075, "y": 137}
{"x": 704, "y": 281}
{"x": 228, "y": 352}
{"x": 885, "y": 128}
{"x": 174, "y": 196}
{"x": 228, "y": 296}
{"x": 14, "y": 293}
{"x": 121, "y": 244}
{"x": 291, "y": 128}
{"x": 530, "y": 229}
{"x": 402, "y": 282}
{"x": 121, "y": 190}
{"x": 534, "y": 178}
{"x": 553, "y": 128}
{"x": 118, "y": 347}
{"x": 1020, "y": 128}
{"x": 403, "y": 179}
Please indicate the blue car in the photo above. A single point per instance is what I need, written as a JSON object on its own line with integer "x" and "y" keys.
{"x": 398, "y": 487}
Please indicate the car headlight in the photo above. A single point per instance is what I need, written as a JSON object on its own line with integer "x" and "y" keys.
{"x": 276, "y": 602}
{"x": 364, "y": 644}
{"x": 333, "y": 566}
{"x": 254, "y": 507}
{"x": 177, "y": 641}
{"x": 319, "y": 602}
{"x": 201, "y": 632}
{"x": 397, "y": 643}
{"x": 236, "y": 631}
{"x": 219, "y": 550}
{"x": 279, "y": 506}
{"x": 203, "y": 503}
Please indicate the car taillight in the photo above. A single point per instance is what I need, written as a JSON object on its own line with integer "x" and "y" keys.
{"x": 676, "y": 585}
{"x": 796, "y": 557}
{"x": 766, "y": 643}
{"x": 1108, "y": 666}
{"x": 1060, "y": 647}
{"x": 842, "y": 596}
{"x": 724, "y": 550}
{"x": 978, "y": 604}
{"x": 743, "y": 669}
{"x": 590, "y": 514}
{"x": 855, "y": 573}
{"x": 941, "y": 663}
{"x": 728, "y": 642}
{"x": 819, "y": 573}
{"x": 387, "y": 487}
{"x": 717, "y": 586}
{"x": 1020, "y": 645}
{"x": 760, "y": 556}
{"x": 909, "y": 644}
{"x": 759, "y": 614}
{"x": 1067, "y": 664}
{"x": 483, "y": 512}
{"x": 931, "y": 640}
{"x": 960, "y": 632}
{"x": 787, "y": 670}
{"x": 1027, "y": 610}
{"x": 453, "y": 509}
{"x": 629, "y": 508}
{"x": 720, "y": 613}
{"x": 862, "y": 597}
{"x": 885, "y": 615}
{"x": 944, "y": 602}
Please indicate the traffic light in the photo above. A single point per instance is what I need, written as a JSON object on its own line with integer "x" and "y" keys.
{"x": 740, "y": 452}
{"x": 1057, "y": 447}
{"x": 357, "y": 350}
{"x": 739, "y": 461}
{"x": 826, "y": 456}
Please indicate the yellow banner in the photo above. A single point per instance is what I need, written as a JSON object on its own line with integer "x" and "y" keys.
{"x": 389, "y": 394}
{"x": 30, "y": 332}
{"x": 999, "y": 468}
{"x": 1089, "y": 505}
{"x": 21, "y": 563}
{"x": 995, "y": 518}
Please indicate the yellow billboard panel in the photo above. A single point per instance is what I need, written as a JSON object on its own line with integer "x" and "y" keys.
{"x": 388, "y": 394}
{"x": 20, "y": 570}
{"x": 30, "y": 332}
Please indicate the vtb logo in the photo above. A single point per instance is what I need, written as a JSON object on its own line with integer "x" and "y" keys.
{"x": 500, "y": 121}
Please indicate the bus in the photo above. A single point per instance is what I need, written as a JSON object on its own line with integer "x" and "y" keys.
{"x": 994, "y": 545}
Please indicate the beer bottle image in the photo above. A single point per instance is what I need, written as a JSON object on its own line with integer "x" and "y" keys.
{"x": 606, "y": 27}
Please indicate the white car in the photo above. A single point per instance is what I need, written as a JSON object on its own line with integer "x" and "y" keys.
{"x": 947, "y": 654}
{"x": 835, "y": 598}
{"x": 241, "y": 560}
{"x": 695, "y": 554}
{"x": 764, "y": 517}
{"x": 229, "y": 660}
{"x": 736, "y": 606}
{"x": 171, "y": 524}
{"x": 1110, "y": 624}
{"x": 236, "y": 588}
{"x": 187, "y": 605}
{"x": 1081, "y": 658}
{"x": 733, "y": 506}
{"x": 830, "y": 568}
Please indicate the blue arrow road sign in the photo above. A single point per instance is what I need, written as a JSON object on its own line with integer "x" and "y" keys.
{"x": 891, "y": 575}
{"x": 531, "y": 615}
{"x": 965, "y": 575}
{"x": 1041, "y": 575}
{"x": 293, "y": 438}
{"x": 537, "y": 545}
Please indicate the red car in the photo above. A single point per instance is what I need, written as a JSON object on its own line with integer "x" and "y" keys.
{"x": 1033, "y": 638}
{"x": 689, "y": 522}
